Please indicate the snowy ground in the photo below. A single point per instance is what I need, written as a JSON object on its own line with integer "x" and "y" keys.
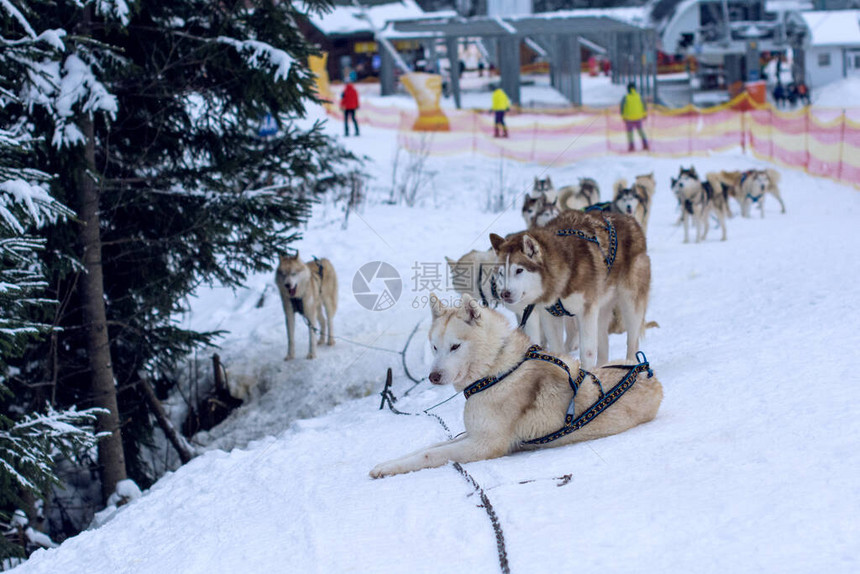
{"x": 751, "y": 465}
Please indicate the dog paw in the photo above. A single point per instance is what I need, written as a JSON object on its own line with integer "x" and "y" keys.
{"x": 311, "y": 356}
{"x": 382, "y": 470}
{"x": 330, "y": 343}
{"x": 289, "y": 357}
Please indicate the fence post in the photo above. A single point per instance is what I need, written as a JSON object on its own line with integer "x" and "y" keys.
{"x": 606, "y": 124}
{"x": 474, "y": 132}
{"x": 808, "y": 111}
{"x": 744, "y": 131}
{"x": 695, "y": 113}
{"x": 770, "y": 135}
{"x": 841, "y": 146}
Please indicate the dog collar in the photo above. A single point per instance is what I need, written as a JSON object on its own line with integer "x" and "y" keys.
{"x": 487, "y": 382}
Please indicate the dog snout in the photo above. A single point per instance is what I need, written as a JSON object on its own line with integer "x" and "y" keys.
{"x": 436, "y": 377}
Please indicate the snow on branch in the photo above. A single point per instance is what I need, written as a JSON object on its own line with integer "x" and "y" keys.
{"x": 10, "y": 9}
{"x": 29, "y": 446}
{"x": 39, "y": 207}
{"x": 79, "y": 86}
{"x": 259, "y": 55}
{"x": 117, "y": 9}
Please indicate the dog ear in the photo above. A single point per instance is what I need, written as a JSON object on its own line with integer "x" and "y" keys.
{"x": 531, "y": 248}
{"x": 471, "y": 309}
{"x": 496, "y": 241}
{"x": 548, "y": 182}
{"x": 693, "y": 172}
{"x": 451, "y": 262}
{"x": 435, "y": 306}
{"x": 619, "y": 185}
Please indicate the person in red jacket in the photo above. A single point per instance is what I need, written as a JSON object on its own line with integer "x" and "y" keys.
{"x": 349, "y": 103}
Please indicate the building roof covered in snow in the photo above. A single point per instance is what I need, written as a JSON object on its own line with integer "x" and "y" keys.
{"x": 345, "y": 20}
{"x": 832, "y": 27}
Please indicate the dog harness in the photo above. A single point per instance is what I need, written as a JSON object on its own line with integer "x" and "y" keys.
{"x": 571, "y": 421}
{"x": 602, "y": 206}
{"x": 608, "y": 258}
{"x": 298, "y": 305}
{"x": 297, "y": 302}
{"x": 493, "y": 289}
{"x": 744, "y": 176}
{"x": 557, "y": 309}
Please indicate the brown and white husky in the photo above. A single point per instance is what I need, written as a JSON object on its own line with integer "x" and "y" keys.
{"x": 582, "y": 264}
{"x": 310, "y": 289}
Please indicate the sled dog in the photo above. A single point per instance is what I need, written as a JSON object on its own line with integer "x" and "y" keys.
{"x": 538, "y": 211}
{"x": 582, "y": 264}
{"x": 749, "y": 187}
{"x": 308, "y": 288}
{"x": 698, "y": 199}
{"x": 636, "y": 199}
{"x": 754, "y": 185}
{"x": 518, "y": 396}
{"x": 540, "y": 205}
{"x": 577, "y": 197}
{"x": 475, "y": 274}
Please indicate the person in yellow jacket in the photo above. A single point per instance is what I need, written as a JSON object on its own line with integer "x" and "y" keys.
{"x": 501, "y": 104}
{"x": 633, "y": 111}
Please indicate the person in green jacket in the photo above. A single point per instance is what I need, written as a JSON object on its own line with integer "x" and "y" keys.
{"x": 633, "y": 111}
{"x": 501, "y": 104}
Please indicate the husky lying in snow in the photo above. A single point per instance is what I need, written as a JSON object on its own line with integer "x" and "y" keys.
{"x": 518, "y": 397}
{"x": 307, "y": 288}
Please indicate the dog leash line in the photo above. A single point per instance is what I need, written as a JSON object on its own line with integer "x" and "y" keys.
{"x": 501, "y": 547}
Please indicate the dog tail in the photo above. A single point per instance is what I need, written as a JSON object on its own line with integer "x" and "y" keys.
{"x": 773, "y": 175}
{"x": 329, "y": 269}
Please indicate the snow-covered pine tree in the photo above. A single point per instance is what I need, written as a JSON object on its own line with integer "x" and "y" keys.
{"x": 25, "y": 204}
{"x": 29, "y": 441}
{"x": 29, "y": 448}
{"x": 154, "y": 133}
